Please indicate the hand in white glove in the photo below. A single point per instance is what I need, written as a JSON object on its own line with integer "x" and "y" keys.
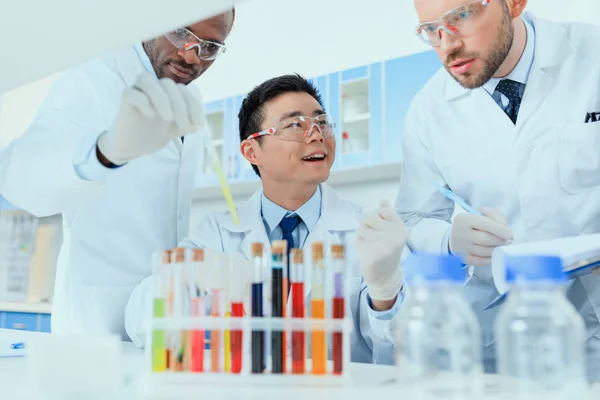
{"x": 475, "y": 237}
{"x": 152, "y": 113}
{"x": 380, "y": 240}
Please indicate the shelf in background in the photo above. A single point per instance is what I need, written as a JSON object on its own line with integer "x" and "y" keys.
{"x": 26, "y": 307}
{"x": 348, "y": 176}
{"x": 357, "y": 118}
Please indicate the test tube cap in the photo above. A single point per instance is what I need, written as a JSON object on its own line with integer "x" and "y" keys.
{"x": 317, "y": 250}
{"x": 297, "y": 256}
{"x": 165, "y": 257}
{"x": 257, "y": 249}
{"x": 337, "y": 251}
{"x": 178, "y": 255}
{"x": 198, "y": 255}
{"x": 279, "y": 246}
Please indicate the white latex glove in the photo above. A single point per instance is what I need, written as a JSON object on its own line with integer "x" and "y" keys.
{"x": 475, "y": 237}
{"x": 380, "y": 240}
{"x": 152, "y": 113}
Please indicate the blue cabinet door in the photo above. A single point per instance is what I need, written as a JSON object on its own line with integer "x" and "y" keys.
{"x": 21, "y": 321}
{"x": 45, "y": 323}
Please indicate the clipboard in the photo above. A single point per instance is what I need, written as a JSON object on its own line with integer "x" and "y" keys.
{"x": 575, "y": 266}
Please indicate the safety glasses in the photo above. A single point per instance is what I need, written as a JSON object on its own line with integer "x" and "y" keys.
{"x": 300, "y": 128}
{"x": 463, "y": 20}
{"x": 184, "y": 39}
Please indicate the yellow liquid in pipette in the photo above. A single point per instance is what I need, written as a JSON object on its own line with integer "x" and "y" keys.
{"x": 216, "y": 164}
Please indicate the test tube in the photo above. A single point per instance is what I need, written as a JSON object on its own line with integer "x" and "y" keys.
{"x": 159, "y": 343}
{"x": 285, "y": 289}
{"x": 278, "y": 249}
{"x": 227, "y": 260}
{"x": 236, "y": 293}
{"x": 298, "y": 337}
{"x": 258, "y": 336}
{"x": 318, "y": 338}
{"x": 267, "y": 300}
{"x": 338, "y": 261}
{"x": 177, "y": 308}
{"x": 217, "y": 308}
{"x": 198, "y": 309}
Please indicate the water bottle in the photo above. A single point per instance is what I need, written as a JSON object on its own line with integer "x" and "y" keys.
{"x": 438, "y": 338}
{"x": 540, "y": 337}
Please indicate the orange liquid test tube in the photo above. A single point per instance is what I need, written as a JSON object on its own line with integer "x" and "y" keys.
{"x": 318, "y": 337}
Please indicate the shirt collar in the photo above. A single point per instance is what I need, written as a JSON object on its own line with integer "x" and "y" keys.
{"x": 139, "y": 49}
{"x": 521, "y": 71}
{"x": 309, "y": 211}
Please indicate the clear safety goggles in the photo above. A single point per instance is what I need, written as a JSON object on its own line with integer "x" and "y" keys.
{"x": 463, "y": 20}
{"x": 184, "y": 39}
{"x": 300, "y": 128}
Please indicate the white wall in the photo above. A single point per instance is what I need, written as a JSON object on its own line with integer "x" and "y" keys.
{"x": 313, "y": 37}
{"x": 19, "y": 107}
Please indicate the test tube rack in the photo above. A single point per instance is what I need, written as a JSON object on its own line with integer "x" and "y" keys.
{"x": 171, "y": 379}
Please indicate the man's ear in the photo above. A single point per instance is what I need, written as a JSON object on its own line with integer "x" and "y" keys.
{"x": 517, "y": 7}
{"x": 249, "y": 152}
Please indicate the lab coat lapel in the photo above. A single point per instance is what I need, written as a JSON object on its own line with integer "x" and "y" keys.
{"x": 250, "y": 224}
{"x": 501, "y": 130}
{"x": 336, "y": 222}
{"x": 551, "y": 48}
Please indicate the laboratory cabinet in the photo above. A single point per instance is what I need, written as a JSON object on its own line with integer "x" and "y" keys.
{"x": 368, "y": 104}
{"x": 26, "y": 321}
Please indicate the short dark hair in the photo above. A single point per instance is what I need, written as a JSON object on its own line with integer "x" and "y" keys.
{"x": 251, "y": 115}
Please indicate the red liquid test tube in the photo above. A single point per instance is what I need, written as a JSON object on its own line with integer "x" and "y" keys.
{"x": 337, "y": 252}
{"x": 298, "y": 337}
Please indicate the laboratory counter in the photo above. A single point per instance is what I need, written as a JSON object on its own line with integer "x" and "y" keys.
{"x": 370, "y": 381}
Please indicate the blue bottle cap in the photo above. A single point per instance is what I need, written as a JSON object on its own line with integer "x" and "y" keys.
{"x": 534, "y": 269}
{"x": 433, "y": 268}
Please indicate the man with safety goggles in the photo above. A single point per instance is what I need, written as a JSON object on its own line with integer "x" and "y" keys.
{"x": 509, "y": 125}
{"x": 183, "y": 55}
{"x": 289, "y": 139}
{"x": 106, "y": 151}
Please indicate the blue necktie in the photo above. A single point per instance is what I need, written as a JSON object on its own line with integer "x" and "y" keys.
{"x": 512, "y": 91}
{"x": 288, "y": 225}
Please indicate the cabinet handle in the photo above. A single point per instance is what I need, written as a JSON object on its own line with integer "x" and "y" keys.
{"x": 19, "y": 326}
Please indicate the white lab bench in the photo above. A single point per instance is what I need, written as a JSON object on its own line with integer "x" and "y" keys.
{"x": 370, "y": 382}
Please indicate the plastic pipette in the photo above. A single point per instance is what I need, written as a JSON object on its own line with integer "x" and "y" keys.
{"x": 216, "y": 164}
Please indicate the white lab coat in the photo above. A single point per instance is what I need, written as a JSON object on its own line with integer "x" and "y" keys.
{"x": 339, "y": 219}
{"x": 543, "y": 173}
{"x": 110, "y": 227}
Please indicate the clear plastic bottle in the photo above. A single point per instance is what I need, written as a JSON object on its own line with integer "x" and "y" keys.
{"x": 540, "y": 337}
{"x": 438, "y": 339}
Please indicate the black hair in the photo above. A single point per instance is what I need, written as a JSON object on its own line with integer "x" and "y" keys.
{"x": 251, "y": 115}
